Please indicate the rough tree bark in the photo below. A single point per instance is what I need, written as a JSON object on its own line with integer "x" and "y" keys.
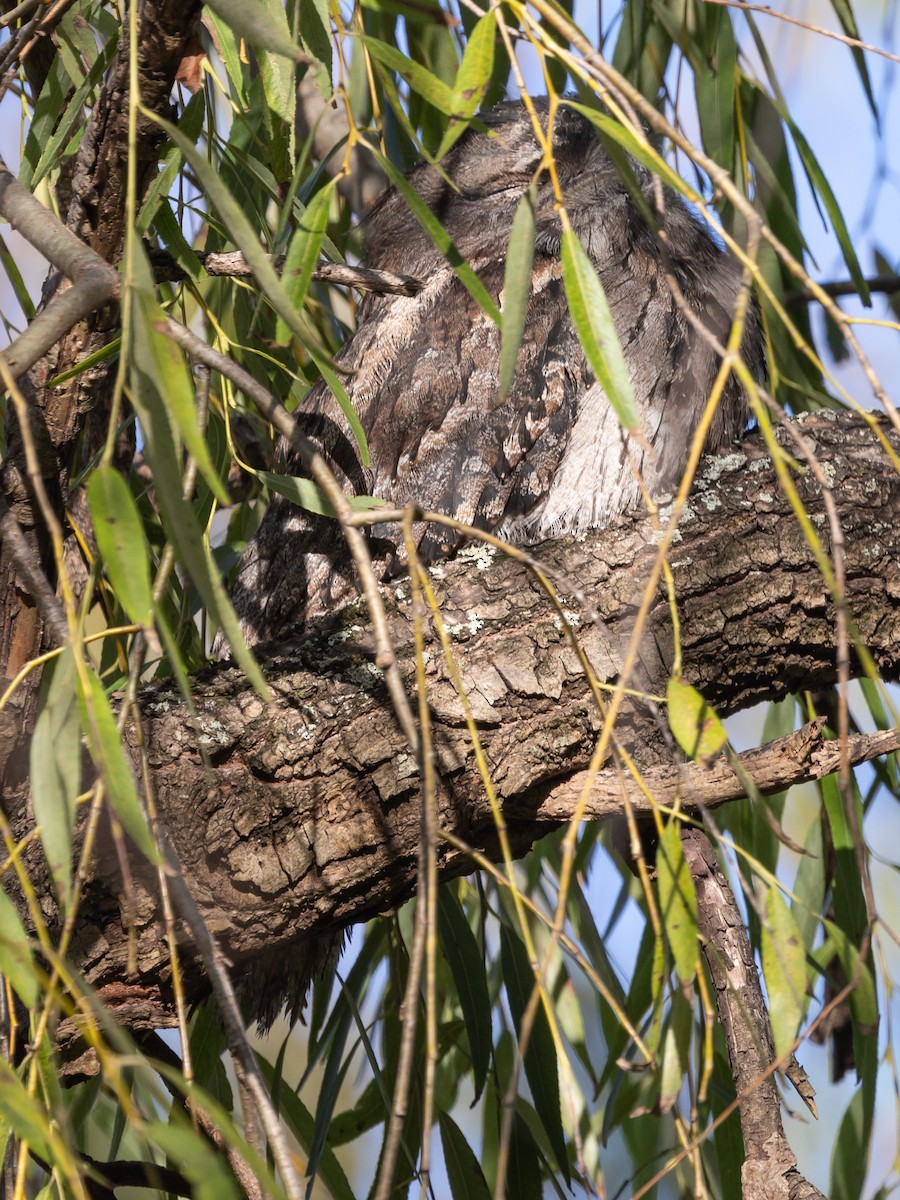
{"x": 305, "y": 815}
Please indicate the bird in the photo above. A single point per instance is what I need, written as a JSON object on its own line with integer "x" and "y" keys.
{"x": 549, "y": 457}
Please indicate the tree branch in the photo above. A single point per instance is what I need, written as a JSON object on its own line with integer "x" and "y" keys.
{"x": 310, "y": 817}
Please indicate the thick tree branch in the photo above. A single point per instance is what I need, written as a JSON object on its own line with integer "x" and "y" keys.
{"x": 309, "y": 817}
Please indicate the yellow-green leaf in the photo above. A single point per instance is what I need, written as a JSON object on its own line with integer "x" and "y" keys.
{"x": 108, "y": 756}
{"x": 472, "y": 79}
{"x": 120, "y": 537}
{"x": 516, "y": 288}
{"x": 676, "y": 1050}
{"x": 422, "y": 81}
{"x": 784, "y": 968}
{"x": 596, "y": 331}
{"x": 160, "y": 359}
{"x": 310, "y": 496}
{"x": 16, "y": 961}
{"x": 55, "y": 760}
{"x": 255, "y": 21}
{"x": 303, "y": 254}
{"x": 697, "y": 729}
{"x": 677, "y": 901}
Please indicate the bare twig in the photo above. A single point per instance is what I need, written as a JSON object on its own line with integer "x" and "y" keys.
{"x": 767, "y": 11}
{"x": 230, "y": 1013}
{"x": 798, "y": 758}
{"x": 94, "y": 282}
{"x": 233, "y": 263}
{"x": 887, "y": 284}
{"x": 33, "y": 577}
{"x": 770, "y": 1166}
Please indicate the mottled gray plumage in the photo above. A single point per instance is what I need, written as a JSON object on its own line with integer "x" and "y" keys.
{"x": 550, "y": 458}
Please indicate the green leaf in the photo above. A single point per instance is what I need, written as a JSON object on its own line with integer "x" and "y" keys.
{"x": 310, "y": 496}
{"x": 422, "y": 81}
{"x": 303, "y": 254}
{"x": 676, "y": 1050}
{"x": 822, "y": 187}
{"x": 844, "y": 13}
{"x": 161, "y": 449}
{"x": 198, "y": 1159}
{"x": 850, "y": 1158}
{"x": 256, "y": 22}
{"x": 299, "y": 1121}
{"x": 159, "y": 358}
{"x": 541, "y": 1069}
{"x": 315, "y": 35}
{"x": 523, "y": 1175}
{"x": 677, "y": 901}
{"x": 596, "y": 331}
{"x": 695, "y": 726}
{"x": 23, "y": 1114}
{"x": 472, "y": 79}
{"x": 714, "y": 81}
{"x": 440, "y": 238}
{"x": 16, "y": 961}
{"x": 470, "y": 978}
{"x": 120, "y": 537}
{"x": 55, "y": 762}
{"x": 516, "y": 288}
{"x": 784, "y": 968}
{"x": 109, "y": 758}
{"x": 466, "y": 1178}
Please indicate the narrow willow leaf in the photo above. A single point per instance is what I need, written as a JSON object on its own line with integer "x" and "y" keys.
{"x": 523, "y": 1175}
{"x": 695, "y": 726}
{"x": 596, "y": 331}
{"x": 784, "y": 968}
{"x": 676, "y": 1050}
{"x": 629, "y": 141}
{"x": 844, "y": 13}
{"x": 208, "y": 1045}
{"x": 72, "y": 113}
{"x": 315, "y": 35}
{"x": 109, "y": 758}
{"x": 303, "y": 254}
{"x": 196, "y": 1157}
{"x": 474, "y": 72}
{"x": 23, "y": 1114}
{"x": 301, "y": 1124}
{"x": 178, "y": 516}
{"x": 247, "y": 241}
{"x": 466, "y": 1178}
{"x": 822, "y": 187}
{"x": 715, "y": 86}
{"x": 422, "y": 81}
{"x": 516, "y": 288}
{"x": 440, "y": 238}
{"x": 850, "y": 1157}
{"x": 256, "y": 23}
{"x": 677, "y": 901}
{"x": 16, "y": 961}
{"x": 160, "y": 359}
{"x": 472, "y": 79}
{"x": 470, "y": 978}
{"x": 310, "y": 496}
{"x": 541, "y": 1069}
{"x": 120, "y": 537}
{"x": 55, "y": 761}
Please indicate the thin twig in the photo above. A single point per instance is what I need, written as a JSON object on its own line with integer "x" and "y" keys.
{"x": 214, "y": 962}
{"x": 33, "y": 576}
{"x": 233, "y": 264}
{"x": 810, "y": 28}
{"x": 94, "y": 282}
